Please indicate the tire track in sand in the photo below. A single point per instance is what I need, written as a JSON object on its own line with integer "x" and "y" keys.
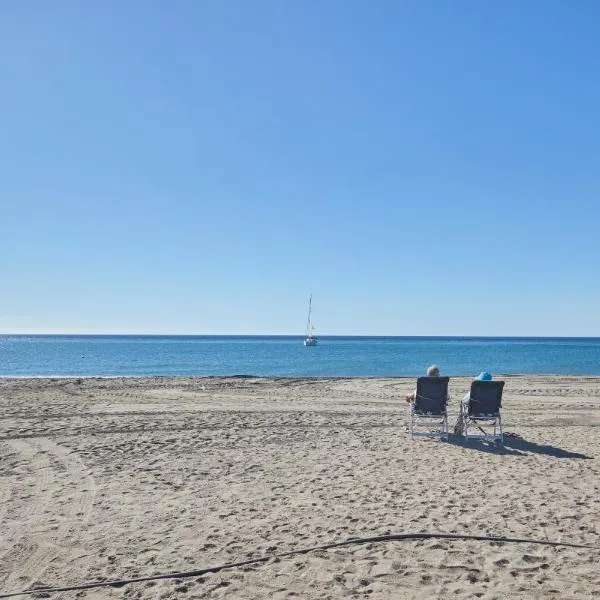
{"x": 31, "y": 556}
{"x": 40, "y": 467}
{"x": 31, "y": 515}
{"x": 5, "y": 488}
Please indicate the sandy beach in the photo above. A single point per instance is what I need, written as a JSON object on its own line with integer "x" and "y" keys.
{"x": 104, "y": 479}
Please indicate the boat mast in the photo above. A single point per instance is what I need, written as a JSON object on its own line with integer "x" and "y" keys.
{"x": 308, "y": 328}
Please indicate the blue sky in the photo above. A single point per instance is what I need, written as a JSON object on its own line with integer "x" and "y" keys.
{"x": 423, "y": 168}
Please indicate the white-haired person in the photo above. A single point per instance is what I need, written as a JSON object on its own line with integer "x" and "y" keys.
{"x": 432, "y": 371}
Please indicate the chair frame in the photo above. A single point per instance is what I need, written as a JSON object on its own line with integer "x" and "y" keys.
{"x": 416, "y": 416}
{"x": 471, "y": 417}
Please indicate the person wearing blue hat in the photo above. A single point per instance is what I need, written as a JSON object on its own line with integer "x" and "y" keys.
{"x": 483, "y": 376}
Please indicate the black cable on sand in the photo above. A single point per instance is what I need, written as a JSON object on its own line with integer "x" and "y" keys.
{"x": 379, "y": 538}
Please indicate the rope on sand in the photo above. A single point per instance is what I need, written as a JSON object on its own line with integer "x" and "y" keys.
{"x": 351, "y": 541}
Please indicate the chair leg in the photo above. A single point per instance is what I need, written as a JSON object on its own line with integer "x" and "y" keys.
{"x": 500, "y": 426}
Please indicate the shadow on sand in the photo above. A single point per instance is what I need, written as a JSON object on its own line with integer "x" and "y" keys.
{"x": 514, "y": 445}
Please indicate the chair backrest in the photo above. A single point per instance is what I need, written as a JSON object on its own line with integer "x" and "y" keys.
{"x": 432, "y": 395}
{"x": 486, "y": 397}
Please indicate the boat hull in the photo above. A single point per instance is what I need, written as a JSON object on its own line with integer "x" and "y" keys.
{"x": 310, "y": 341}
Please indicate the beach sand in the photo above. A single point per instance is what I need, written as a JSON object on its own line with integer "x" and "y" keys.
{"x": 120, "y": 478}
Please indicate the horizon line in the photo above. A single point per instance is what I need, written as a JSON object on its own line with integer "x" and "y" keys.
{"x": 290, "y": 335}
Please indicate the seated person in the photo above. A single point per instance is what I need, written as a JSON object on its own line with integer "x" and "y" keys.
{"x": 458, "y": 428}
{"x": 483, "y": 376}
{"x": 432, "y": 371}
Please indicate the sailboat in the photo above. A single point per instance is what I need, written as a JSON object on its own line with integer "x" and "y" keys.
{"x": 310, "y": 340}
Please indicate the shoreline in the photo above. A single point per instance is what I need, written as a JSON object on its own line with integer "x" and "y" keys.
{"x": 497, "y": 376}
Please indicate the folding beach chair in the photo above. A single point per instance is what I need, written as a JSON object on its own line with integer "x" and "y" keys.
{"x": 483, "y": 408}
{"x": 429, "y": 406}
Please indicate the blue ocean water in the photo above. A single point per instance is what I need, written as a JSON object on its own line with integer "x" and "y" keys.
{"x": 91, "y": 355}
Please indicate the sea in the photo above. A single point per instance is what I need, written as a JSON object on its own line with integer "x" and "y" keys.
{"x": 286, "y": 356}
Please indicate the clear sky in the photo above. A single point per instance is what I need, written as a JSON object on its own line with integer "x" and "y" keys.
{"x": 422, "y": 167}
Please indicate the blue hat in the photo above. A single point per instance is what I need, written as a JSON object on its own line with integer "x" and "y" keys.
{"x": 484, "y": 376}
